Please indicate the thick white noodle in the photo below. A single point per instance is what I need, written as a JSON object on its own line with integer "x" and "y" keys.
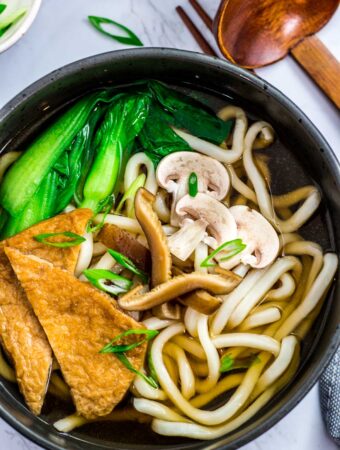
{"x": 278, "y": 367}
{"x": 133, "y": 169}
{"x": 156, "y": 409}
{"x": 241, "y": 270}
{"x": 186, "y": 375}
{"x": 317, "y": 290}
{"x": 201, "y": 253}
{"x": 191, "y": 317}
{"x": 106, "y": 262}
{"x": 145, "y": 390}
{"x": 125, "y": 223}
{"x": 284, "y": 291}
{"x": 268, "y": 279}
{"x": 99, "y": 249}
{"x": 251, "y": 340}
{"x": 213, "y": 359}
{"x": 239, "y": 132}
{"x": 154, "y": 323}
{"x": 259, "y": 318}
{"x": 85, "y": 254}
{"x": 265, "y": 202}
{"x": 231, "y": 301}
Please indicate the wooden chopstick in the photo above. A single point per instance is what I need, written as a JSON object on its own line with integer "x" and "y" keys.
{"x": 202, "y": 13}
{"x": 196, "y": 34}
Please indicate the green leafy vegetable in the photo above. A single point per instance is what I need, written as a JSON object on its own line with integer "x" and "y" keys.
{"x": 24, "y": 177}
{"x": 229, "y": 363}
{"x": 129, "y": 39}
{"x": 124, "y": 360}
{"x": 40, "y": 207}
{"x": 119, "y": 351}
{"x": 232, "y": 248}
{"x": 131, "y": 193}
{"x": 128, "y": 264}
{"x": 11, "y": 19}
{"x": 157, "y": 138}
{"x": 108, "y": 281}
{"x": 122, "y": 123}
{"x": 186, "y": 112}
{"x": 110, "y": 348}
{"x": 75, "y": 239}
{"x": 193, "y": 184}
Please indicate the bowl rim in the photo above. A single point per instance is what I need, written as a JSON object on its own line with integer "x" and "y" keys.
{"x": 249, "y": 431}
{"x": 26, "y": 23}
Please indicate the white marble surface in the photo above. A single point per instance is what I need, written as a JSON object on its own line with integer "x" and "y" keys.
{"x": 61, "y": 35}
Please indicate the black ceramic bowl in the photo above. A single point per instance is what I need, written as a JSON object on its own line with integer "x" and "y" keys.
{"x": 305, "y": 150}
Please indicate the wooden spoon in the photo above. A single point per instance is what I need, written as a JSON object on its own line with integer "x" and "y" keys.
{"x": 254, "y": 33}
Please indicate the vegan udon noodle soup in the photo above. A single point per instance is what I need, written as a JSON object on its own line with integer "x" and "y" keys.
{"x": 187, "y": 236}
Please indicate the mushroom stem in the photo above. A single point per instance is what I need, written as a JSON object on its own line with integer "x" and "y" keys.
{"x": 176, "y": 287}
{"x": 183, "y": 243}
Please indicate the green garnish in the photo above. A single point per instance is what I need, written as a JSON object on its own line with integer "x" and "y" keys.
{"x": 123, "y": 359}
{"x": 110, "y": 348}
{"x": 94, "y": 228}
{"x": 119, "y": 351}
{"x": 130, "y": 39}
{"x": 75, "y": 239}
{"x": 128, "y": 264}
{"x": 10, "y": 20}
{"x": 131, "y": 193}
{"x": 193, "y": 184}
{"x": 107, "y": 281}
{"x": 228, "y": 363}
{"x": 233, "y": 248}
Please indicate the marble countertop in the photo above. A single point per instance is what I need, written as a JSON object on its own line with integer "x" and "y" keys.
{"x": 61, "y": 35}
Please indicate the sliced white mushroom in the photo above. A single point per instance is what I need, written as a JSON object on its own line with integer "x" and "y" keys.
{"x": 186, "y": 239}
{"x": 262, "y": 242}
{"x": 206, "y": 214}
{"x": 173, "y": 174}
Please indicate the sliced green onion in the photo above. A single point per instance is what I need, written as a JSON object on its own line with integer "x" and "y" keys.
{"x": 193, "y": 185}
{"x": 108, "y": 281}
{"x": 131, "y": 193}
{"x": 7, "y": 22}
{"x": 229, "y": 363}
{"x": 232, "y": 247}
{"x": 110, "y": 348}
{"x": 75, "y": 239}
{"x": 94, "y": 228}
{"x": 130, "y": 39}
{"x": 124, "y": 360}
{"x": 152, "y": 369}
{"x": 128, "y": 264}
{"x": 2, "y": 7}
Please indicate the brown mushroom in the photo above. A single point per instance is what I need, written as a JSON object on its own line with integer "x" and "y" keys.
{"x": 176, "y": 287}
{"x": 160, "y": 255}
{"x": 201, "y": 301}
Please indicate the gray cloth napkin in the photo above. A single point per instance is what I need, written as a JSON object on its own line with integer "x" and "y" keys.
{"x": 330, "y": 397}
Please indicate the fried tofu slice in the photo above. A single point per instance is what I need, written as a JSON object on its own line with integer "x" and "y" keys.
{"x": 124, "y": 242}
{"x": 78, "y": 321}
{"x": 21, "y": 334}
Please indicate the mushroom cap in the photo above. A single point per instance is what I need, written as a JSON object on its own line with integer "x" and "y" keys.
{"x": 221, "y": 223}
{"x": 174, "y": 170}
{"x": 258, "y": 234}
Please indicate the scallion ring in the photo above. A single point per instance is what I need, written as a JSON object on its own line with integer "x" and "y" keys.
{"x": 128, "y": 264}
{"x": 75, "y": 239}
{"x": 110, "y": 348}
{"x": 108, "y": 281}
{"x": 232, "y": 248}
{"x": 193, "y": 184}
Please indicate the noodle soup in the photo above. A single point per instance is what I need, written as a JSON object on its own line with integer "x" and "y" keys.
{"x": 219, "y": 263}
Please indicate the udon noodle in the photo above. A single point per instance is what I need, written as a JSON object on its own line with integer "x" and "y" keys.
{"x": 257, "y": 327}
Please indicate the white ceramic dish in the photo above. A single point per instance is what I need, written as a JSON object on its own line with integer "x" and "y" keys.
{"x": 15, "y": 32}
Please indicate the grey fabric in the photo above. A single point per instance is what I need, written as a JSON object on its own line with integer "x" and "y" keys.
{"x": 330, "y": 397}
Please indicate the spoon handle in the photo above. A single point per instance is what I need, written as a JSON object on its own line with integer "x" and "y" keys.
{"x": 320, "y": 65}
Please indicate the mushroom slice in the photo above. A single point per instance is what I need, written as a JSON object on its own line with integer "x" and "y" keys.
{"x": 185, "y": 240}
{"x": 148, "y": 220}
{"x": 221, "y": 225}
{"x": 201, "y": 301}
{"x": 174, "y": 170}
{"x": 259, "y": 236}
{"x": 176, "y": 287}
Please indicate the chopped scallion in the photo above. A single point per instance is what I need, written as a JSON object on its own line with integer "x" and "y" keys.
{"x": 108, "y": 281}
{"x": 231, "y": 248}
{"x": 129, "y": 39}
{"x": 110, "y": 348}
{"x": 2, "y": 7}
{"x": 124, "y": 360}
{"x": 128, "y": 264}
{"x": 229, "y": 363}
{"x": 131, "y": 193}
{"x": 193, "y": 184}
{"x": 75, "y": 239}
